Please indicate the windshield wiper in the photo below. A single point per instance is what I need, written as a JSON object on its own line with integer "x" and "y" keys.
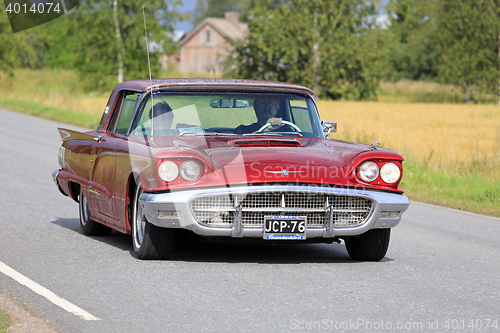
{"x": 196, "y": 133}
{"x": 276, "y": 134}
{"x": 293, "y": 133}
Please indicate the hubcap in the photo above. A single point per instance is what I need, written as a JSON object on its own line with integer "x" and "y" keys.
{"x": 85, "y": 209}
{"x": 140, "y": 225}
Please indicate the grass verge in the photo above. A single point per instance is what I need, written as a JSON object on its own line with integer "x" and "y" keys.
{"x": 4, "y": 321}
{"x": 469, "y": 192}
{"x": 49, "y": 112}
{"x": 408, "y": 91}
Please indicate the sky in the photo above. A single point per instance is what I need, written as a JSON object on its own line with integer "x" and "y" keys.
{"x": 187, "y": 6}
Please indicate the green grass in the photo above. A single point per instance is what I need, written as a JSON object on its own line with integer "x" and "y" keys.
{"x": 5, "y": 321}
{"x": 407, "y": 91}
{"x": 49, "y": 112}
{"x": 470, "y": 192}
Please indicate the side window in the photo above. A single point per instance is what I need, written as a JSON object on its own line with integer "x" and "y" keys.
{"x": 300, "y": 114}
{"x": 126, "y": 113}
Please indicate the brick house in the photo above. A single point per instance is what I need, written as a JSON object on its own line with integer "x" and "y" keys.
{"x": 205, "y": 47}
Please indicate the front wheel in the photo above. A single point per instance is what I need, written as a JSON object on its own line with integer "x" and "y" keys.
{"x": 150, "y": 242}
{"x": 89, "y": 226}
{"x": 370, "y": 246}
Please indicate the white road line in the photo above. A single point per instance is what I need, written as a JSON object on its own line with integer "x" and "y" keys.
{"x": 70, "y": 307}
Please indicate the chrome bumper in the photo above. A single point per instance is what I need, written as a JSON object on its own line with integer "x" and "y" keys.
{"x": 172, "y": 210}
{"x": 54, "y": 178}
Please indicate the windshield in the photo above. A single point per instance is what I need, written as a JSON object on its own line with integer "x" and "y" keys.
{"x": 189, "y": 113}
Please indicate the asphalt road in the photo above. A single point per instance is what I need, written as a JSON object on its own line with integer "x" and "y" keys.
{"x": 441, "y": 273}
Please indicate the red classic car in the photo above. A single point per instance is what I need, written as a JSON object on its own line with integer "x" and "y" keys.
{"x": 228, "y": 159}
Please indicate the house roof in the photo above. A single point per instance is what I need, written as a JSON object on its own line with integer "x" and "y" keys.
{"x": 227, "y": 28}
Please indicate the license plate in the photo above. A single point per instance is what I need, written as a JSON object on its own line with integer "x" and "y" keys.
{"x": 285, "y": 227}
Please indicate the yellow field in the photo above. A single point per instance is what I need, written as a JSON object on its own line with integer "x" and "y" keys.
{"x": 453, "y": 137}
{"x": 57, "y": 88}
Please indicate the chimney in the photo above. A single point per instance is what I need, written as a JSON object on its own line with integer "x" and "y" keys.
{"x": 233, "y": 17}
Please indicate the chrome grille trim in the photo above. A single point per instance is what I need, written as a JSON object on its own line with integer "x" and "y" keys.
{"x": 346, "y": 211}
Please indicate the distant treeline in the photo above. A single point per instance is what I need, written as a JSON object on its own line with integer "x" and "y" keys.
{"x": 340, "y": 48}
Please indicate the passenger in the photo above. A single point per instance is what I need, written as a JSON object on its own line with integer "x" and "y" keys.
{"x": 161, "y": 116}
{"x": 266, "y": 108}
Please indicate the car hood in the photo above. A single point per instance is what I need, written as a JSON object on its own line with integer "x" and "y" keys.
{"x": 239, "y": 160}
{"x": 267, "y": 150}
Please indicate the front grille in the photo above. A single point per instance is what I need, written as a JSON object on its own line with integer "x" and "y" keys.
{"x": 219, "y": 210}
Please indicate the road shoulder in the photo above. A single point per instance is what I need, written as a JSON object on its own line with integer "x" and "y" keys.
{"x": 22, "y": 319}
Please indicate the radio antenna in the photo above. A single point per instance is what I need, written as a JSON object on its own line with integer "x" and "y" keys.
{"x": 150, "y": 80}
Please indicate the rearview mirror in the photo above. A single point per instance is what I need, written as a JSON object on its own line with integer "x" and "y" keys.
{"x": 229, "y": 103}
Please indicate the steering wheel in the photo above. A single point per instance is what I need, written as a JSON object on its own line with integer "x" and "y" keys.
{"x": 283, "y": 122}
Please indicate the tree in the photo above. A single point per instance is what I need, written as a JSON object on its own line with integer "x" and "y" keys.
{"x": 8, "y": 59}
{"x": 56, "y": 51}
{"x": 107, "y": 38}
{"x": 332, "y": 46}
{"x": 412, "y": 30}
{"x": 217, "y": 8}
{"x": 468, "y": 44}
{"x": 22, "y": 49}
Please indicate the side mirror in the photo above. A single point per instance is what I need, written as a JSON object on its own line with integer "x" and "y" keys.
{"x": 329, "y": 127}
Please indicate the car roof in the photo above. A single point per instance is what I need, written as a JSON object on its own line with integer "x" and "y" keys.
{"x": 196, "y": 84}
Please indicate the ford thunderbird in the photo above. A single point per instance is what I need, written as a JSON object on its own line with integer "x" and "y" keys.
{"x": 228, "y": 160}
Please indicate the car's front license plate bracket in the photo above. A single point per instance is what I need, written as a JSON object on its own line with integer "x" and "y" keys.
{"x": 284, "y": 227}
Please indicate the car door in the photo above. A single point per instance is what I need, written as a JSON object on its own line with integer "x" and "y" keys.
{"x": 128, "y": 151}
{"x": 105, "y": 159}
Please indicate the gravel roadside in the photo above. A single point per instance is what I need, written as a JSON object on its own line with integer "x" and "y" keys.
{"x": 22, "y": 319}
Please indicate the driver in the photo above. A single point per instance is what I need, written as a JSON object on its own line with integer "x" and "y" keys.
{"x": 266, "y": 108}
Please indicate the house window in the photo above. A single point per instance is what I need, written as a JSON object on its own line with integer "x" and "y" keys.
{"x": 208, "y": 36}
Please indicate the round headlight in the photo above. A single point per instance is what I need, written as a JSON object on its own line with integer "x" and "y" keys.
{"x": 190, "y": 170}
{"x": 168, "y": 171}
{"x": 368, "y": 171}
{"x": 390, "y": 173}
